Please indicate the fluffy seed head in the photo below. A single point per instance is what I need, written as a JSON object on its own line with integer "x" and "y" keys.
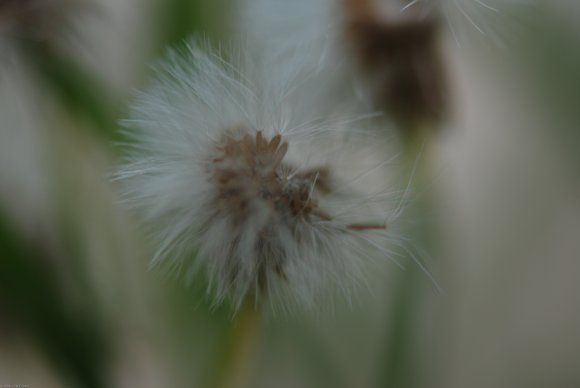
{"x": 239, "y": 179}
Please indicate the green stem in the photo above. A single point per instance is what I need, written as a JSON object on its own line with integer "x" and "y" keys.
{"x": 231, "y": 367}
{"x": 399, "y": 366}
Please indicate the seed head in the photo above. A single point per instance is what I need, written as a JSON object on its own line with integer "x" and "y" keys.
{"x": 401, "y": 56}
{"x": 241, "y": 182}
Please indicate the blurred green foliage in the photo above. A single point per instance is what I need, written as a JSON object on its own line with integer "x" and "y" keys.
{"x": 549, "y": 59}
{"x": 79, "y": 91}
{"x": 32, "y": 294}
{"x": 180, "y": 20}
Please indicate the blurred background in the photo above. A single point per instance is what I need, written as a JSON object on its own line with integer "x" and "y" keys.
{"x": 499, "y": 216}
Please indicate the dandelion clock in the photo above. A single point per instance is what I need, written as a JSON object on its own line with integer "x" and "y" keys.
{"x": 243, "y": 179}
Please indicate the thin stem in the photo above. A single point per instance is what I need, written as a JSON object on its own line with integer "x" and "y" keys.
{"x": 233, "y": 364}
{"x": 399, "y": 365}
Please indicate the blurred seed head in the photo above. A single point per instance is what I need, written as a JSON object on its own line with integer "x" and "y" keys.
{"x": 400, "y": 55}
{"x": 396, "y": 46}
{"x": 384, "y": 58}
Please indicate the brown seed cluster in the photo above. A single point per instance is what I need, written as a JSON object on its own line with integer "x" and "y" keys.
{"x": 249, "y": 171}
{"x": 249, "y": 174}
{"x": 402, "y": 57}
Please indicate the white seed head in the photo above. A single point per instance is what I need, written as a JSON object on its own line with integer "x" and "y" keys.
{"x": 239, "y": 178}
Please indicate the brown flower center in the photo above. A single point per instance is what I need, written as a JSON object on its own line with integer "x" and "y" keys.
{"x": 249, "y": 169}
{"x": 250, "y": 174}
